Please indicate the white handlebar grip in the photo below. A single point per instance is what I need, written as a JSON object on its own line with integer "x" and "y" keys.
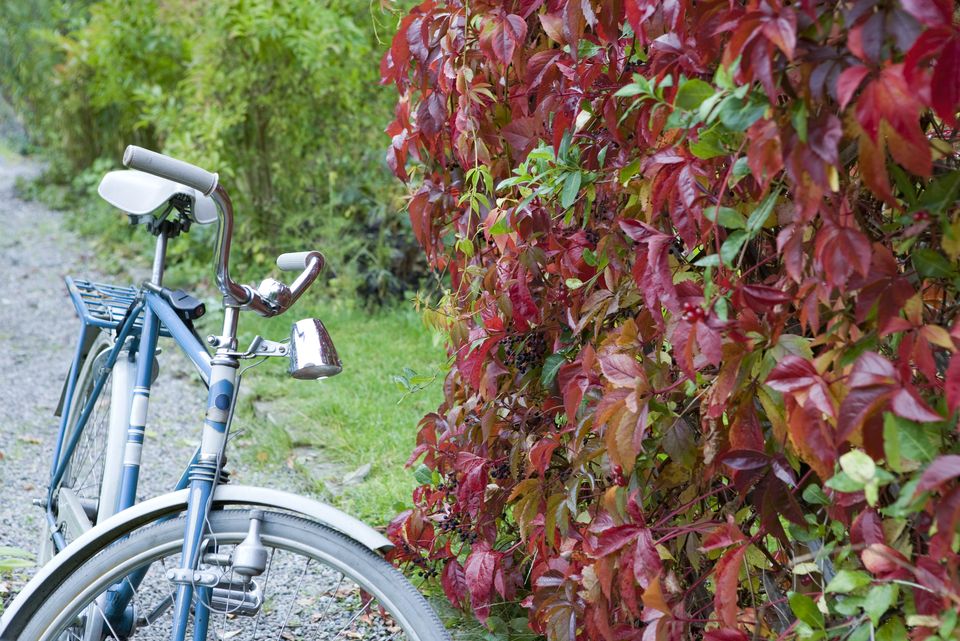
{"x": 296, "y": 261}
{"x": 170, "y": 168}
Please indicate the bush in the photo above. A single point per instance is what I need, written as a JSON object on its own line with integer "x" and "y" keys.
{"x": 704, "y": 283}
{"x": 280, "y": 98}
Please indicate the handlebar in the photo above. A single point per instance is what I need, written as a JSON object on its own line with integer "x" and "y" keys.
{"x": 170, "y": 168}
{"x": 310, "y": 263}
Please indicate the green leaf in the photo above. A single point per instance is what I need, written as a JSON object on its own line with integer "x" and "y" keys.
{"x": 551, "y": 366}
{"x": 731, "y": 247}
{"x": 692, "y": 93}
{"x": 500, "y": 227}
{"x": 859, "y": 466}
{"x": 707, "y": 146}
{"x": 12, "y": 564}
{"x": 879, "y": 599}
{"x": 725, "y": 216}
{"x": 760, "y": 214}
{"x": 799, "y": 119}
{"x": 423, "y": 475}
{"x": 843, "y": 483}
{"x": 571, "y": 188}
{"x": 891, "y": 442}
{"x": 713, "y": 260}
{"x": 741, "y": 168}
{"x": 737, "y": 114}
{"x": 892, "y": 630}
{"x": 813, "y": 494}
{"x": 905, "y": 441}
{"x": 932, "y": 264}
{"x": 805, "y": 609}
{"x": 574, "y": 283}
{"x": 846, "y": 581}
{"x": 629, "y": 171}
{"x": 706, "y": 111}
{"x": 941, "y": 193}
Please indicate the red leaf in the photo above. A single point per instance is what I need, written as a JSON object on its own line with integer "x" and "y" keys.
{"x": 841, "y": 250}
{"x": 888, "y": 106}
{"x": 867, "y": 528}
{"x": 952, "y": 383}
{"x": 745, "y": 460}
{"x": 905, "y": 403}
{"x": 945, "y": 87}
{"x": 764, "y": 155}
{"x": 638, "y": 12}
{"x": 725, "y": 602}
{"x": 763, "y": 298}
{"x": 932, "y": 13}
{"x": 502, "y": 35}
{"x": 541, "y": 452}
{"x": 848, "y": 83}
{"x": 646, "y": 560}
{"x": 725, "y": 635}
{"x": 710, "y": 343}
{"x": 615, "y": 538}
{"x": 812, "y": 438}
{"x": 724, "y": 536}
{"x": 620, "y": 369}
{"x": 943, "y": 469}
{"x": 797, "y": 376}
{"x": 478, "y": 574}
{"x": 454, "y": 582}
{"x": 884, "y": 562}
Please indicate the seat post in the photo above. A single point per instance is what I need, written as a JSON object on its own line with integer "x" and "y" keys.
{"x": 159, "y": 258}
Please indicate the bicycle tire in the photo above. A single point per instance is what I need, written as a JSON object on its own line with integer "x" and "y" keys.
{"x": 85, "y": 468}
{"x": 158, "y": 545}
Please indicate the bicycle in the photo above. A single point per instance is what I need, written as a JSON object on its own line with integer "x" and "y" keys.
{"x": 210, "y": 559}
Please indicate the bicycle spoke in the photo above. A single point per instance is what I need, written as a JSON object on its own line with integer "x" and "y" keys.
{"x": 266, "y": 583}
{"x": 293, "y": 601}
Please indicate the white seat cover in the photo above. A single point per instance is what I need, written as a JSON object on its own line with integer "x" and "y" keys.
{"x": 137, "y": 193}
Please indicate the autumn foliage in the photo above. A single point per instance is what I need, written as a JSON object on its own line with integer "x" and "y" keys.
{"x": 702, "y": 313}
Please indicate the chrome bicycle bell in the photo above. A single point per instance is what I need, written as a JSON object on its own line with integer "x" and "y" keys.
{"x": 312, "y": 354}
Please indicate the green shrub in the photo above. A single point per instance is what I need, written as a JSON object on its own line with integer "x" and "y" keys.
{"x": 281, "y": 98}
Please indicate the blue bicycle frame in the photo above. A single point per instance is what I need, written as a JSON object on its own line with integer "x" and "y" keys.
{"x": 139, "y": 318}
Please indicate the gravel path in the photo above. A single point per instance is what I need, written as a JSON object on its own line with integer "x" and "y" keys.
{"x": 38, "y": 329}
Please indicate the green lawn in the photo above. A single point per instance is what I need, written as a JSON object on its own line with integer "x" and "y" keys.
{"x": 329, "y": 428}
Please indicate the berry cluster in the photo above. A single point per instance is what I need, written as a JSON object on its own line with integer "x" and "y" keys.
{"x": 921, "y": 216}
{"x": 425, "y": 570}
{"x": 501, "y": 471}
{"x": 693, "y": 313}
{"x": 592, "y": 237}
{"x": 524, "y": 352}
{"x": 616, "y": 475}
{"x": 453, "y": 524}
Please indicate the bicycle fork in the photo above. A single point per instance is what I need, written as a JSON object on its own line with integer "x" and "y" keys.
{"x": 204, "y": 474}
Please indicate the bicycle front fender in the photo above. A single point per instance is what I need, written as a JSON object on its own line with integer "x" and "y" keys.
{"x": 22, "y": 608}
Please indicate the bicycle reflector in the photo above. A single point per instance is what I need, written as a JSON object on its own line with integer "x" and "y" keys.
{"x": 312, "y": 354}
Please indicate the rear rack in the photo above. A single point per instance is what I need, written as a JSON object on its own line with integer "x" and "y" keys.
{"x": 103, "y": 305}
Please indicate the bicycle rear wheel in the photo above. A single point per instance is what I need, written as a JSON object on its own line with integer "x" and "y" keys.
{"x": 79, "y": 500}
{"x": 318, "y": 584}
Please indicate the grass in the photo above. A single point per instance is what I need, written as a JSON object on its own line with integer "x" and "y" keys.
{"x": 330, "y": 428}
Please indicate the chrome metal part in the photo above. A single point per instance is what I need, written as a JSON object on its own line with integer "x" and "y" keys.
{"x": 312, "y": 354}
{"x": 159, "y": 258}
{"x": 275, "y": 293}
{"x": 237, "y": 598}
{"x": 205, "y": 578}
{"x": 250, "y": 556}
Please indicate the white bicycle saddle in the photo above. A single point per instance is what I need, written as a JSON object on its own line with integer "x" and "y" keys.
{"x": 137, "y": 193}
